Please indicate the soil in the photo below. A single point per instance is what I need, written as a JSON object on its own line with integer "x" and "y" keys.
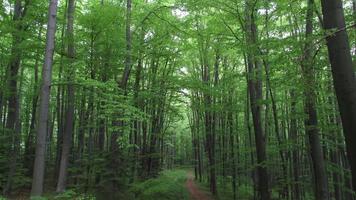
{"x": 195, "y": 192}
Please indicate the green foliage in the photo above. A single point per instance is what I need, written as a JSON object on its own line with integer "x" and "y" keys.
{"x": 38, "y": 198}
{"x": 68, "y": 194}
{"x": 245, "y": 191}
{"x": 169, "y": 186}
{"x": 72, "y": 194}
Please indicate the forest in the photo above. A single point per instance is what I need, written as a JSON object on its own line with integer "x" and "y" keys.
{"x": 178, "y": 99}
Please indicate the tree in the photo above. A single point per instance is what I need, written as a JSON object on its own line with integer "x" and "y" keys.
{"x": 39, "y": 165}
{"x": 254, "y": 67}
{"x": 69, "y": 119}
{"x": 343, "y": 74}
{"x": 13, "y": 124}
{"x": 311, "y": 122}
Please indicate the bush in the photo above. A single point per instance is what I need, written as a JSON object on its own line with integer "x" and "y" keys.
{"x": 37, "y": 198}
{"x": 170, "y": 185}
{"x": 71, "y": 194}
{"x": 245, "y": 191}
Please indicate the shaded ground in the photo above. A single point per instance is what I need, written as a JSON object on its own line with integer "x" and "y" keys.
{"x": 195, "y": 192}
{"x": 170, "y": 185}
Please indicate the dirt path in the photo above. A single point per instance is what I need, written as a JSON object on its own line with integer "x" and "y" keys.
{"x": 195, "y": 192}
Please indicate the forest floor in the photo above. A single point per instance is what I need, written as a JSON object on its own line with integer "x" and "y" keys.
{"x": 170, "y": 185}
{"x": 196, "y": 193}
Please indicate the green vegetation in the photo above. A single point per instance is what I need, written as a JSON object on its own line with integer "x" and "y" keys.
{"x": 170, "y": 185}
{"x": 244, "y": 191}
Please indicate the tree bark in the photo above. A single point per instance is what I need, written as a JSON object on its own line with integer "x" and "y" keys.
{"x": 311, "y": 122}
{"x": 343, "y": 75}
{"x": 232, "y": 151}
{"x": 60, "y": 105}
{"x": 295, "y": 153}
{"x": 255, "y": 93}
{"x": 69, "y": 120}
{"x": 39, "y": 166}
{"x": 209, "y": 117}
{"x": 29, "y": 145}
{"x": 12, "y": 118}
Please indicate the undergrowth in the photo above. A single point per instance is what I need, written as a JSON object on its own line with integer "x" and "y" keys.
{"x": 170, "y": 185}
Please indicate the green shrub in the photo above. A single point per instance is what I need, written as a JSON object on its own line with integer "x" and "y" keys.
{"x": 170, "y": 185}
{"x": 72, "y": 194}
{"x": 245, "y": 191}
{"x": 37, "y": 198}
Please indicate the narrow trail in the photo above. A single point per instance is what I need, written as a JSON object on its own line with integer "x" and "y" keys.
{"x": 195, "y": 192}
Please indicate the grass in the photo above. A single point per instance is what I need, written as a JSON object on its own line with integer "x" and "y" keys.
{"x": 244, "y": 191}
{"x": 170, "y": 185}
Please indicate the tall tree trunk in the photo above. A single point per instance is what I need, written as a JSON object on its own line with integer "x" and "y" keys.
{"x": 13, "y": 68}
{"x": 122, "y": 86}
{"x": 215, "y": 124}
{"x": 69, "y": 120}
{"x": 39, "y": 166}
{"x": 255, "y": 91}
{"x": 138, "y": 104}
{"x": 13, "y": 105}
{"x": 311, "y": 122}
{"x": 15, "y": 143}
{"x": 60, "y": 105}
{"x": 285, "y": 190}
{"x": 128, "y": 57}
{"x": 232, "y": 149}
{"x": 295, "y": 153}
{"x": 29, "y": 144}
{"x": 343, "y": 75}
{"x": 209, "y": 117}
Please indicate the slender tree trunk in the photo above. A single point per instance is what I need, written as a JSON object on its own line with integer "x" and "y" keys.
{"x": 198, "y": 146}
{"x": 69, "y": 120}
{"x": 210, "y": 136}
{"x": 311, "y": 122}
{"x": 83, "y": 119}
{"x": 122, "y": 86}
{"x": 276, "y": 127}
{"x": 60, "y": 105}
{"x": 232, "y": 151}
{"x": 255, "y": 91}
{"x": 39, "y": 166}
{"x": 295, "y": 153}
{"x": 2, "y": 105}
{"x": 128, "y": 58}
{"x": 29, "y": 144}
{"x": 138, "y": 103}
